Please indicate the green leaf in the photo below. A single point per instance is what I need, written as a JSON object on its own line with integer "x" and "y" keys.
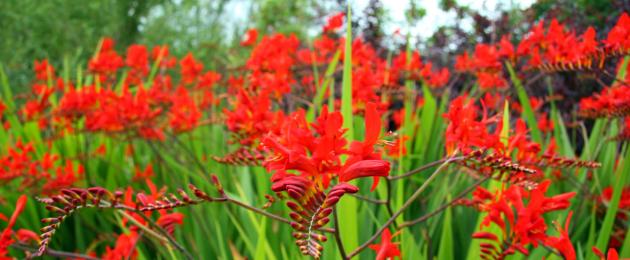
{"x": 321, "y": 90}
{"x": 427, "y": 119}
{"x": 505, "y": 130}
{"x": 446, "y": 241}
{"x": 346, "y": 82}
{"x": 625, "y": 248}
{"x": 348, "y": 206}
{"x": 606, "y": 229}
{"x": 528, "y": 112}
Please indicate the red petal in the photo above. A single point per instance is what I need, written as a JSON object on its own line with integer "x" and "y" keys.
{"x": 19, "y": 207}
{"x": 372, "y": 124}
{"x": 365, "y": 168}
{"x": 485, "y": 235}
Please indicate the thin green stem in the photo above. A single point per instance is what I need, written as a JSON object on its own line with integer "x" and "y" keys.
{"x": 423, "y": 167}
{"x": 407, "y": 203}
{"x": 337, "y": 233}
{"x": 445, "y": 206}
{"x": 54, "y": 253}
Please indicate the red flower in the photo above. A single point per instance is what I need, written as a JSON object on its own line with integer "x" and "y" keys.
{"x": 522, "y": 223}
{"x": 506, "y": 49}
{"x": 25, "y": 235}
{"x": 544, "y": 124}
{"x": 208, "y": 80}
{"x": 618, "y": 37}
{"x": 486, "y": 57}
{"x": 611, "y": 102}
{"x": 315, "y": 150}
{"x": 146, "y": 174}
{"x": 190, "y": 69}
{"x": 161, "y": 53}
{"x": 334, "y": 22}
{"x": 438, "y": 79}
{"x": 184, "y": 114}
{"x": 463, "y": 62}
{"x": 386, "y": 249}
{"x": 365, "y": 168}
{"x": 365, "y": 150}
{"x": 491, "y": 81}
{"x": 128, "y": 113}
{"x": 588, "y": 45}
{"x": 612, "y": 254}
{"x": 563, "y": 242}
{"x": 270, "y": 63}
{"x": 106, "y": 62}
{"x": 36, "y": 174}
{"x": 65, "y": 177}
{"x": 252, "y": 117}
{"x": 406, "y": 69}
{"x": 138, "y": 60}
{"x": 125, "y": 247}
{"x": 465, "y": 130}
{"x": 170, "y": 221}
{"x": 250, "y": 37}
{"x": 364, "y": 160}
{"x": 398, "y": 147}
{"x": 43, "y": 70}
{"x": 5, "y": 235}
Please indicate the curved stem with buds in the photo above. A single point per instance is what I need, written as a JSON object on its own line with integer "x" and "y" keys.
{"x": 54, "y": 253}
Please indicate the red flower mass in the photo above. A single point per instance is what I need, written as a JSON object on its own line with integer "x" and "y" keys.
{"x": 150, "y": 110}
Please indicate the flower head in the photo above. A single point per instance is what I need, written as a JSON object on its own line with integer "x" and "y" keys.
{"x": 386, "y": 249}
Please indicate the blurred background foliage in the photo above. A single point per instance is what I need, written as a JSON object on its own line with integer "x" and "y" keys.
{"x": 210, "y": 29}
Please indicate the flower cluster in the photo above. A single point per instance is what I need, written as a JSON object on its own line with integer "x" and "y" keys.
{"x": 7, "y": 235}
{"x": 306, "y": 158}
{"x": 548, "y": 49}
{"x": 520, "y": 215}
{"x": 143, "y": 105}
{"x": 272, "y": 112}
{"x": 386, "y": 249}
{"x": 314, "y": 151}
{"x": 611, "y": 102}
{"x": 411, "y": 67}
{"x": 68, "y": 201}
{"x": 486, "y": 64}
{"x": 468, "y": 134}
{"x": 310, "y": 208}
{"x": 38, "y": 176}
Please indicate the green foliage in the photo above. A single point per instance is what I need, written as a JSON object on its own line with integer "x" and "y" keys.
{"x": 56, "y": 29}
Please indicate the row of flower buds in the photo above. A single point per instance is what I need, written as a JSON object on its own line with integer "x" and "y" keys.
{"x": 561, "y": 162}
{"x": 311, "y": 208}
{"x": 482, "y": 160}
{"x": 243, "y": 157}
{"x": 619, "y": 110}
{"x": 69, "y": 200}
{"x": 487, "y": 250}
{"x": 610, "y": 102}
{"x": 580, "y": 65}
{"x": 490, "y": 251}
{"x": 64, "y": 204}
{"x": 171, "y": 201}
{"x": 270, "y": 201}
{"x": 616, "y": 52}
